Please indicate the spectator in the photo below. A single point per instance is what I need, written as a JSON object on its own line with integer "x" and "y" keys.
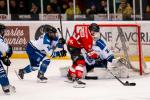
{"x": 148, "y": 7}
{"x": 34, "y": 12}
{"x": 13, "y": 7}
{"x": 125, "y": 9}
{"x": 14, "y": 10}
{"x": 93, "y": 10}
{"x": 55, "y": 5}
{"x": 146, "y": 14}
{"x": 103, "y": 7}
{"x": 22, "y": 9}
{"x": 49, "y": 9}
{"x": 88, "y": 15}
{"x": 64, "y": 7}
{"x": 3, "y": 7}
{"x": 70, "y": 10}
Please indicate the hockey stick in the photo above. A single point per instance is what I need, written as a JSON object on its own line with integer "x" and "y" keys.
{"x": 60, "y": 20}
{"x": 7, "y": 70}
{"x": 123, "y": 83}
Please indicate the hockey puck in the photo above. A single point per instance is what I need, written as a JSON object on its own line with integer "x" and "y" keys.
{"x": 91, "y": 77}
{"x": 132, "y": 84}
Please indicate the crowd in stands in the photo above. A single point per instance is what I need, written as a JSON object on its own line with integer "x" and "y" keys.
{"x": 83, "y": 7}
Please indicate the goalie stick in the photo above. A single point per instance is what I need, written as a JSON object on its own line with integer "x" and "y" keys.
{"x": 123, "y": 83}
{"x": 7, "y": 70}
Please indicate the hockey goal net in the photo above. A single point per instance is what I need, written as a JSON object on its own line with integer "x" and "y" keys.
{"x": 124, "y": 40}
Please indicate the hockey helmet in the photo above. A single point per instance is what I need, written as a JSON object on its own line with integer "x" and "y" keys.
{"x": 2, "y": 28}
{"x": 94, "y": 27}
{"x": 51, "y": 31}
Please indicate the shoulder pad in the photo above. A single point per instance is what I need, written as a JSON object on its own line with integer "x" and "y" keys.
{"x": 56, "y": 39}
{"x": 100, "y": 43}
{"x": 46, "y": 39}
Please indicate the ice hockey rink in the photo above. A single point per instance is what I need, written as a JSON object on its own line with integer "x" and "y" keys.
{"x": 57, "y": 89}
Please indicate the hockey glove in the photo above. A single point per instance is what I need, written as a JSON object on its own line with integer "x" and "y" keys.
{"x": 62, "y": 41}
{"x": 93, "y": 55}
{"x": 9, "y": 51}
{"x": 6, "y": 61}
{"x": 62, "y": 53}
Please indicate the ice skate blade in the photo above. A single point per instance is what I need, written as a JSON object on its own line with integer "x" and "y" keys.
{"x": 12, "y": 90}
{"x": 68, "y": 81}
{"x": 17, "y": 75}
{"x": 79, "y": 86}
{"x": 76, "y": 85}
{"x": 41, "y": 81}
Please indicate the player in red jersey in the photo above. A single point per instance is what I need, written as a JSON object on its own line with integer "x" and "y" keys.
{"x": 81, "y": 40}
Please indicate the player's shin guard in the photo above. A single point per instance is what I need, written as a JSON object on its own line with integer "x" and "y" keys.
{"x": 4, "y": 81}
{"x": 71, "y": 72}
{"x": 42, "y": 70}
{"x": 79, "y": 74}
{"x": 3, "y": 78}
{"x": 44, "y": 65}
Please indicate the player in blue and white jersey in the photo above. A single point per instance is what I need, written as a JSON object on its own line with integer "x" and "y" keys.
{"x": 105, "y": 56}
{"x": 39, "y": 49}
{"x": 5, "y": 54}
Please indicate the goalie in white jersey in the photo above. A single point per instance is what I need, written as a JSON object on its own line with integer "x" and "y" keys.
{"x": 5, "y": 54}
{"x": 37, "y": 51}
{"x": 105, "y": 56}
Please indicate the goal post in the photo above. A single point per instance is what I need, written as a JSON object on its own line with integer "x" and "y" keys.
{"x": 129, "y": 48}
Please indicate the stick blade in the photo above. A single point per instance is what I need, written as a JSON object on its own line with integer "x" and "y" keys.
{"x": 129, "y": 84}
{"x": 132, "y": 84}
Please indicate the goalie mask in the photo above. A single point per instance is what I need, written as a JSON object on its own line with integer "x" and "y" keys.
{"x": 52, "y": 32}
{"x": 2, "y": 29}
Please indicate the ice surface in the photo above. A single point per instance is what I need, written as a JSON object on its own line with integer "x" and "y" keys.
{"x": 57, "y": 89}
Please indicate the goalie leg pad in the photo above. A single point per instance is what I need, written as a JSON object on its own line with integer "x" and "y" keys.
{"x": 118, "y": 62}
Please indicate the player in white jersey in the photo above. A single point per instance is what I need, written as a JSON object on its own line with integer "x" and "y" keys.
{"x": 5, "y": 54}
{"x": 37, "y": 51}
{"x": 105, "y": 56}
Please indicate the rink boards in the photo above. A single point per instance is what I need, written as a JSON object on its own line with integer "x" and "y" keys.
{"x": 19, "y": 33}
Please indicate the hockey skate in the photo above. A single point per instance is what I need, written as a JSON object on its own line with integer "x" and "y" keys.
{"x": 21, "y": 74}
{"x": 9, "y": 89}
{"x": 78, "y": 83}
{"x": 41, "y": 78}
{"x": 69, "y": 79}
